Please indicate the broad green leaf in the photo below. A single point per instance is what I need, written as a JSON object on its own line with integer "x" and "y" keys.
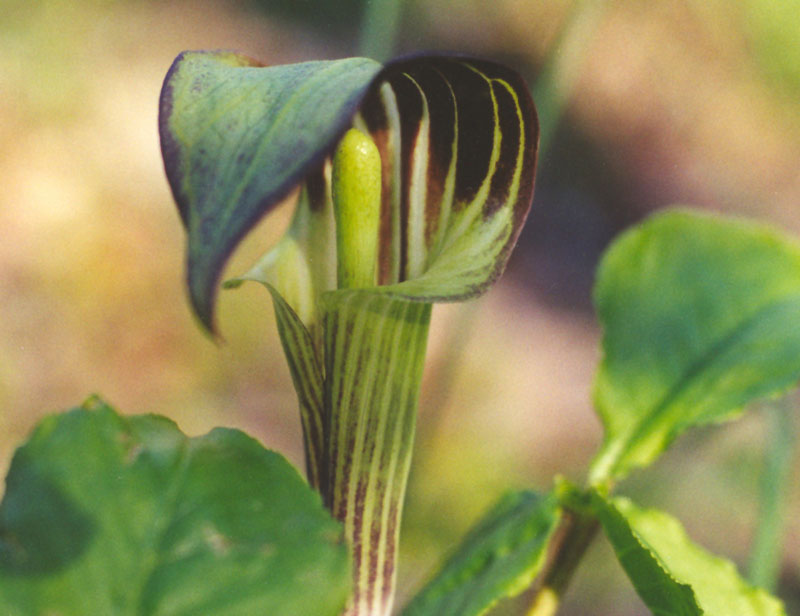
{"x": 106, "y": 514}
{"x": 457, "y": 138}
{"x": 700, "y": 318}
{"x": 674, "y": 576}
{"x": 499, "y": 558}
{"x": 237, "y": 137}
{"x": 374, "y": 356}
{"x": 660, "y": 590}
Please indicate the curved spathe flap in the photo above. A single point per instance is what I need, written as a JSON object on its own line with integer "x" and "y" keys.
{"x": 457, "y": 137}
{"x": 237, "y": 137}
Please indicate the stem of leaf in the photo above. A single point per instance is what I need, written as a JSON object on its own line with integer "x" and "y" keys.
{"x": 572, "y": 540}
{"x": 551, "y": 91}
{"x": 379, "y": 26}
{"x": 766, "y": 552}
{"x": 562, "y": 67}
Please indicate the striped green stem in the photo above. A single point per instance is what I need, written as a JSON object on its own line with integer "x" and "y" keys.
{"x": 306, "y": 372}
{"x": 379, "y": 27}
{"x": 374, "y": 354}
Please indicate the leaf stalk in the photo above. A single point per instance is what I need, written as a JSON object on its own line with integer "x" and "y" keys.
{"x": 568, "y": 547}
{"x": 766, "y": 552}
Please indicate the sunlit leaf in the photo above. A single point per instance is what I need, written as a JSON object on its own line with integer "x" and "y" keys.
{"x": 674, "y": 576}
{"x": 772, "y": 27}
{"x": 499, "y": 558}
{"x": 125, "y": 515}
{"x": 700, "y": 318}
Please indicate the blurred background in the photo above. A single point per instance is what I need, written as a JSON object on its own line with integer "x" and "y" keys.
{"x": 643, "y": 105}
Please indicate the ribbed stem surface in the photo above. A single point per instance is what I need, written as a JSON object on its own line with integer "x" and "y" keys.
{"x": 374, "y": 355}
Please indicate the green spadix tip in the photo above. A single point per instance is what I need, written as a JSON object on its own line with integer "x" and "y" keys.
{"x": 356, "y": 187}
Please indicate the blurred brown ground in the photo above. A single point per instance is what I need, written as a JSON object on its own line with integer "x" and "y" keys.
{"x": 665, "y": 102}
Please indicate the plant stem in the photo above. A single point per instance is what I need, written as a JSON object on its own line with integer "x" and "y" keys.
{"x": 379, "y": 27}
{"x": 374, "y": 354}
{"x": 562, "y": 67}
{"x": 572, "y": 539}
{"x": 766, "y": 552}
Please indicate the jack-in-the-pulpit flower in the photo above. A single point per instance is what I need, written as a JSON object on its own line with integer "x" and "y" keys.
{"x": 416, "y": 178}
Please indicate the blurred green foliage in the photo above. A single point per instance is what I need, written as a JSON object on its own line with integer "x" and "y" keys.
{"x": 773, "y": 27}
{"x": 332, "y": 17}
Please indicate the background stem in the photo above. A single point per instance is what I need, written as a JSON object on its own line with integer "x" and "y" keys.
{"x": 573, "y": 538}
{"x": 765, "y": 556}
{"x": 379, "y": 26}
{"x": 562, "y": 66}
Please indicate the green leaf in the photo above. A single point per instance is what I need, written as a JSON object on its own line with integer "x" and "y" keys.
{"x": 106, "y": 514}
{"x": 663, "y": 593}
{"x": 771, "y": 27}
{"x": 673, "y": 576}
{"x": 499, "y": 558}
{"x": 700, "y": 318}
{"x": 458, "y": 140}
{"x": 237, "y": 137}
